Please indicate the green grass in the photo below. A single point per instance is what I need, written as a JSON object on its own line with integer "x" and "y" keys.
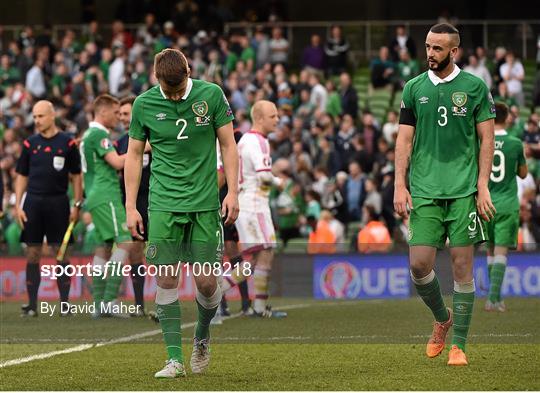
{"x": 338, "y": 345}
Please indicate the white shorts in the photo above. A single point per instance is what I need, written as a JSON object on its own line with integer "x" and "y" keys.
{"x": 255, "y": 231}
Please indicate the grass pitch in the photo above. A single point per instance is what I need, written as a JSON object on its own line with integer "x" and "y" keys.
{"x": 322, "y": 345}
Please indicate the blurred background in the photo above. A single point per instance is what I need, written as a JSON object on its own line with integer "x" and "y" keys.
{"x": 335, "y": 72}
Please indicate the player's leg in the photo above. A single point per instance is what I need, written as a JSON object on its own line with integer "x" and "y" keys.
{"x": 169, "y": 314}
{"x": 57, "y": 218}
{"x": 205, "y": 248}
{"x": 165, "y": 232}
{"x": 231, "y": 237}
{"x": 101, "y": 256}
{"x": 426, "y": 234}
{"x": 505, "y": 238}
{"x": 497, "y": 277}
{"x": 32, "y": 235}
{"x": 33, "y": 280}
{"x": 136, "y": 257}
{"x": 463, "y": 301}
{"x": 113, "y": 226}
{"x": 465, "y": 228}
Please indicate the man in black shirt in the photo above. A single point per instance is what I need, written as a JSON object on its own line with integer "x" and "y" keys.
{"x": 136, "y": 253}
{"x": 49, "y": 159}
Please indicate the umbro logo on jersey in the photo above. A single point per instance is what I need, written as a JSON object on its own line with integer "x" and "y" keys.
{"x": 423, "y": 100}
{"x": 161, "y": 116}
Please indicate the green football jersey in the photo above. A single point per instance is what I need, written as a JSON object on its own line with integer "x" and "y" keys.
{"x": 444, "y": 158}
{"x": 100, "y": 179}
{"x": 507, "y": 159}
{"x": 183, "y": 139}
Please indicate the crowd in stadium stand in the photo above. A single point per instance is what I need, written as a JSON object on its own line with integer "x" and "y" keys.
{"x": 336, "y": 157}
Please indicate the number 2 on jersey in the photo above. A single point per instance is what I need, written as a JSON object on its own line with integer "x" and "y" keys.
{"x": 182, "y": 128}
{"x": 498, "y": 170}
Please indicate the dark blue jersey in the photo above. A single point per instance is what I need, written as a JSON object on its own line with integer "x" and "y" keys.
{"x": 121, "y": 146}
{"x": 48, "y": 162}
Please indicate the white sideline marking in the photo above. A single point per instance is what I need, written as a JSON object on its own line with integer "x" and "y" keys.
{"x": 84, "y": 347}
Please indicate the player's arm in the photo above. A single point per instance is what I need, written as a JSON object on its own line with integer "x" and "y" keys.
{"x": 132, "y": 179}
{"x": 115, "y": 160}
{"x": 485, "y": 132}
{"x": 75, "y": 177}
{"x": 21, "y": 182}
{"x": 229, "y": 155}
{"x": 404, "y": 146}
{"x": 523, "y": 170}
{"x": 404, "y": 143}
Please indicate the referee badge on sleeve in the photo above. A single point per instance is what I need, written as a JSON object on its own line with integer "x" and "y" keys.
{"x": 58, "y": 163}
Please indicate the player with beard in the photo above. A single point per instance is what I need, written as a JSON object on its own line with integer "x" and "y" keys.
{"x": 445, "y": 140}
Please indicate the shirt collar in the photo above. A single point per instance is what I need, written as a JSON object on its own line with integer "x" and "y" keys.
{"x": 436, "y": 80}
{"x": 95, "y": 124}
{"x": 186, "y": 94}
{"x": 501, "y": 132}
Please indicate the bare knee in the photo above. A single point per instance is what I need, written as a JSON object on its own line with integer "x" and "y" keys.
{"x": 167, "y": 282}
{"x": 33, "y": 254}
{"x": 206, "y": 285}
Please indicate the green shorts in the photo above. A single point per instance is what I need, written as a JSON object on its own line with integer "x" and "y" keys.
{"x": 110, "y": 222}
{"x": 194, "y": 237}
{"x": 432, "y": 221}
{"x": 503, "y": 229}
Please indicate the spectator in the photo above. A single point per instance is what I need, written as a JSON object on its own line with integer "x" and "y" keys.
{"x": 355, "y": 191}
{"x": 321, "y": 179}
{"x": 478, "y": 70}
{"x": 336, "y": 50}
{"x": 35, "y": 80}
{"x": 503, "y": 96}
{"x": 402, "y": 42}
{"x": 248, "y": 54}
{"x": 349, "y": 96}
{"x": 9, "y": 75}
{"x": 374, "y": 237}
{"x": 370, "y": 132}
{"x": 117, "y": 71}
{"x": 513, "y": 73}
{"x": 333, "y": 106}
{"x": 121, "y": 37}
{"x": 279, "y": 47}
{"x": 322, "y": 239}
{"x": 319, "y": 95}
{"x": 499, "y": 60}
{"x": 407, "y": 68}
{"x": 149, "y": 31}
{"x": 373, "y": 197}
{"x": 390, "y": 128}
{"x": 382, "y": 69}
{"x": 313, "y": 205}
{"x": 343, "y": 142}
{"x": 313, "y": 55}
{"x": 262, "y": 45}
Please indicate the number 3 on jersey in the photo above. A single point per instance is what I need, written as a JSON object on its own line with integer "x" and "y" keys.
{"x": 183, "y": 126}
{"x": 498, "y": 170}
{"x": 444, "y": 118}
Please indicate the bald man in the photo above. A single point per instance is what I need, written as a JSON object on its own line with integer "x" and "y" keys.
{"x": 254, "y": 224}
{"x": 49, "y": 160}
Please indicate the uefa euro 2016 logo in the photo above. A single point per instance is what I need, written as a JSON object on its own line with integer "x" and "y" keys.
{"x": 340, "y": 280}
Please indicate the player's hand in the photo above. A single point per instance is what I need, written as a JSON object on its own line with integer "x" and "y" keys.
{"x": 135, "y": 223}
{"x": 484, "y": 206}
{"x": 21, "y": 217}
{"x": 74, "y": 214}
{"x": 230, "y": 209}
{"x": 402, "y": 201}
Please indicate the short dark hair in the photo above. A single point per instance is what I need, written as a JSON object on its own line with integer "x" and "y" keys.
{"x": 501, "y": 112}
{"x": 171, "y": 67}
{"x": 445, "y": 28}
{"x": 127, "y": 100}
{"x": 104, "y": 100}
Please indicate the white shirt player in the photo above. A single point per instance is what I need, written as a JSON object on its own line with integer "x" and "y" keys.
{"x": 255, "y": 172}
